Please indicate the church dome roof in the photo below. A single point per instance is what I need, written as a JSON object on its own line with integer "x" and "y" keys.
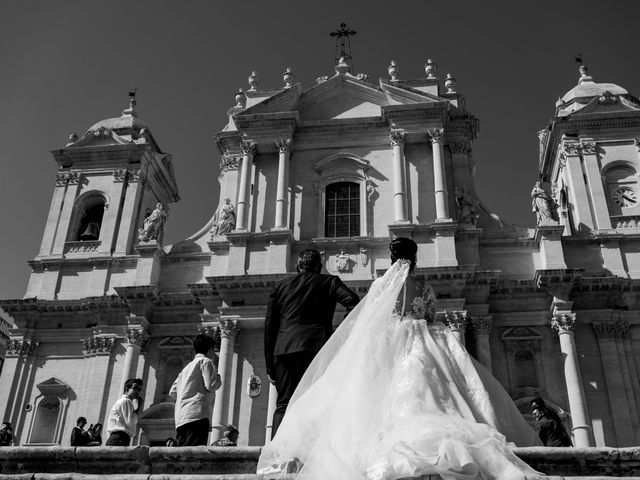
{"x": 127, "y": 121}
{"x": 586, "y": 90}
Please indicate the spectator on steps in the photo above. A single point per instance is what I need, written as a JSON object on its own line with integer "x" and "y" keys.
{"x": 123, "y": 417}
{"x": 79, "y": 436}
{"x": 230, "y": 437}
{"x": 6, "y": 435}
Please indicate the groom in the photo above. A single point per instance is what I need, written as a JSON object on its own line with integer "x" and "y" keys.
{"x": 298, "y": 323}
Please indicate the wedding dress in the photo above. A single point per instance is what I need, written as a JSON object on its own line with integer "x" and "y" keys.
{"x": 394, "y": 394}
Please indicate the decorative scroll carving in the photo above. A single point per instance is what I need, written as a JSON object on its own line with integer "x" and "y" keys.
{"x": 456, "y": 319}
{"x": 97, "y": 345}
{"x": 61, "y": 178}
{"x": 436, "y": 135}
{"x": 563, "y": 322}
{"x": 588, "y": 147}
{"x": 322, "y": 79}
{"x": 607, "y": 98}
{"x": 254, "y": 386}
{"x": 74, "y": 178}
{"x": 616, "y": 330}
{"x": 229, "y": 162}
{"x": 136, "y": 336}
{"x": 248, "y": 148}
{"x": 21, "y": 347}
{"x": 284, "y": 145}
{"x": 343, "y": 263}
{"x": 397, "y": 138}
{"x": 119, "y": 175}
{"x": 229, "y": 327}
{"x": 482, "y": 325}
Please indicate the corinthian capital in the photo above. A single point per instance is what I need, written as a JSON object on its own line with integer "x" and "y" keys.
{"x": 284, "y": 145}
{"x": 21, "y": 347}
{"x": 248, "y": 148}
{"x": 136, "y": 336}
{"x": 97, "y": 345}
{"x": 229, "y": 327}
{"x": 455, "y": 320}
{"x": 563, "y": 322}
{"x": 397, "y": 137}
{"x": 482, "y": 325}
{"x": 436, "y": 135}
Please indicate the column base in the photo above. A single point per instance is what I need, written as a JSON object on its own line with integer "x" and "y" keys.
{"x": 445, "y": 240}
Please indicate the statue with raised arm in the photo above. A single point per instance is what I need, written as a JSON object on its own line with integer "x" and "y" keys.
{"x": 542, "y": 204}
{"x": 153, "y": 224}
{"x": 224, "y": 220}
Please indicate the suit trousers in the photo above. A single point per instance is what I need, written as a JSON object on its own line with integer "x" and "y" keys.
{"x": 193, "y": 433}
{"x": 118, "y": 439}
{"x": 288, "y": 371}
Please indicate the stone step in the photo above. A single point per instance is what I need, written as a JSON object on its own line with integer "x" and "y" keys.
{"x": 239, "y": 463}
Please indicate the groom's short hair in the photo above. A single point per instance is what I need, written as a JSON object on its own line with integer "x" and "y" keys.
{"x": 309, "y": 260}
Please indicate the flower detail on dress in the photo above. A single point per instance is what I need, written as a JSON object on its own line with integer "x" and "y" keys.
{"x": 419, "y": 307}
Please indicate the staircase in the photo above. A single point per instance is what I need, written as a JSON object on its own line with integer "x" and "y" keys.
{"x": 239, "y": 463}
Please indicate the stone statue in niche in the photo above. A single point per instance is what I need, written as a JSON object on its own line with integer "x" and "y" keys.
{"x": 343, "y": 264}
{"x": 543, "y": 205}
{"x": 224, "y": 220}
{"x": 153, "y": 224}
{"x": 254, "y": 386}
{"x": 467, "y": 207}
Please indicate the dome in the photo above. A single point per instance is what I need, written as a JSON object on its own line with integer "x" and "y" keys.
{"x": 587, "y": 89}
{"x": 128, "y": 121}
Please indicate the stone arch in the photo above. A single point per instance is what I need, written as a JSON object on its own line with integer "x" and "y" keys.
{"x": 88, "y": 212}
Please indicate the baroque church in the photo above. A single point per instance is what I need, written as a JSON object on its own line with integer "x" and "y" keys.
{"x": 341, "y": 166}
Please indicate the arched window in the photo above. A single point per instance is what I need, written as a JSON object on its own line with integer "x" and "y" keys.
{"x": 622, "y": 187}
{"x": 89, "y": 213}
{"x": 342, "y": 210}
{"x": 526, "y": 369}
{"x": 46, "y": 421}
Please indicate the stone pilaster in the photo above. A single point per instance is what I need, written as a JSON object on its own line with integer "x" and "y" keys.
{"x": 456, "y": 321}
{"x": 563, "y": 323}
{"x": 136, "y": 337}
{"x": 482, "y": 331}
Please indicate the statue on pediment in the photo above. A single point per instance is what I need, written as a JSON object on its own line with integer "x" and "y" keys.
{"x": 153, "y": 224}
{"x": 224, "y": 220}
{"x": 542, "y": 205}
{"x": 467, "y": 207}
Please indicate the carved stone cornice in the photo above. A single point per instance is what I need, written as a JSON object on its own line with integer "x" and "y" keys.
{"x": 482, "y": 325}
{"x": 98, "y": 345}
{"x": 20, "y": 347}
{"x": 455, "y": 320}
{"x": 397, "y": 138}
{"x": 436, "y": 135}
{"x": 248, "y": 148}
{"x": 563, "y": 322}
{"x": 284, "y": 145}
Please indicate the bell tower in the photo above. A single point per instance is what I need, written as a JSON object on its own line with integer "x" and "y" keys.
{"x": 107, "y": 182}
{"x": 589, "y": 155}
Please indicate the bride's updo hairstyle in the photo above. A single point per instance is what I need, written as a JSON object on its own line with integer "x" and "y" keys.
{"x": 403, "y": 249}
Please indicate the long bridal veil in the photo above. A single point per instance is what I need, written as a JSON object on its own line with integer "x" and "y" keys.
{"x": 386, "y": 399}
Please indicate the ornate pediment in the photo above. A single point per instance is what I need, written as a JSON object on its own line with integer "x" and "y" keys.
{"x": 284, "y": 101}
{"x": 521, "y": 333}
{"x": 608, "y": 103}
{"x": 103, "y": 137}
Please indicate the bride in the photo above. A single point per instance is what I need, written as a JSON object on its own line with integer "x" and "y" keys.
{"x": 394, "y": 394}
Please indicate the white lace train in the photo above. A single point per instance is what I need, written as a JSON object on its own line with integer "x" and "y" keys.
{"x": 387, "y": 399}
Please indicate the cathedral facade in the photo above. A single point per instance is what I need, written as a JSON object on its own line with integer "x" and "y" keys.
{"x": 342, "y": 166}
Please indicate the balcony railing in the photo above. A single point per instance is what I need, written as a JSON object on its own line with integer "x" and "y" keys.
{"x": 88, "y": 246}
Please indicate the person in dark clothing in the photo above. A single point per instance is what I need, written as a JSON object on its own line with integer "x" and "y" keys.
{"x": 6, "y": 435}
{"x": 229, "y": 438}
{"x": 79, "y": 436}
{"x": 298, "y": 323}
{"x": 549, "y": 425}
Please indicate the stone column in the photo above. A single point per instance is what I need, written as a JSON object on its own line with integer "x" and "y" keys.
{"x": 399, "y": 191}
{"x": 284, "y": 149}
{"x": 19, "y": 355}
{"x": 271, "y": 408}
{"x": 456, "y": 322}
{"x": 439, "y": 176}
{"x": 229, "y": 330}
{"x": 135, "y": 338}
{"x": 248, "y": 152}
{"x": 482, "y": 331}
{"x": 97, "y": 350}
{"x": 563, "y": 324}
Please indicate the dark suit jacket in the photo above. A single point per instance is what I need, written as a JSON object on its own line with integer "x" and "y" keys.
{"x": 300, "y": 313}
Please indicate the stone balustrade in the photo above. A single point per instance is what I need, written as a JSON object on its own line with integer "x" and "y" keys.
{"x": 625, "y": 221}
{"x": 239, "y": 463}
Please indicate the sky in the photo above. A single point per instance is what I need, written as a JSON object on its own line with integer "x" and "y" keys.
{"x": 68, "y": 64}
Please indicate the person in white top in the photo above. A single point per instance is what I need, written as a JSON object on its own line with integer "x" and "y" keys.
{"x": 194, "y": 391}
{"x": 123, "y": 417}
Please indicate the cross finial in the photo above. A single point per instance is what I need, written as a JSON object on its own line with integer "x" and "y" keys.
{"x": 343, "y": 41}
